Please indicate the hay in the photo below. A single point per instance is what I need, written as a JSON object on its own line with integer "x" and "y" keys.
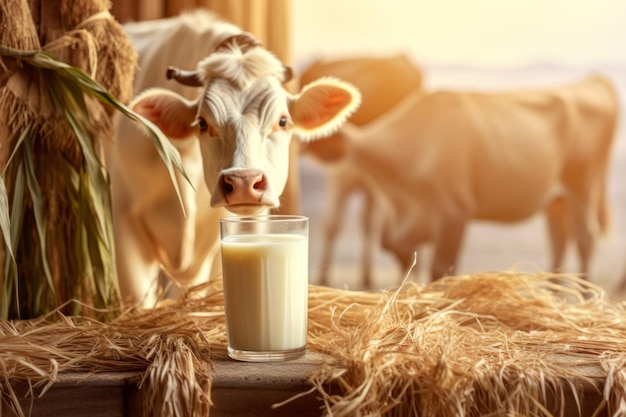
{"x": 487, "y": 344}
{"x": 472, "y": 345}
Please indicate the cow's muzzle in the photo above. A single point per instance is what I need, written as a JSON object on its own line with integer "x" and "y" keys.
{"x": 242, "y": 191}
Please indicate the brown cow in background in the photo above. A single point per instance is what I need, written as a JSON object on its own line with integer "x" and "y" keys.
{"x": 383, "y": 83}
{"x": 439, "y": 160}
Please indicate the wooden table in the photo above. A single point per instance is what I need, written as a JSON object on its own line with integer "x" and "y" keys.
{"x": 239, "y": 389}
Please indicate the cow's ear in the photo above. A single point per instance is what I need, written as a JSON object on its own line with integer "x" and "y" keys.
{"x": 173, "y": 114}
{"x": 322, "y": 107}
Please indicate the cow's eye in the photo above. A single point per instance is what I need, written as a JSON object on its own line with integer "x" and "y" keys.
{"x": 281, "y": 124}
{"x": 206, "y": 127}
{"x": 203, "y": 125}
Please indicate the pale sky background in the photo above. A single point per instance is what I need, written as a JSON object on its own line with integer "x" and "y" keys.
{"x": 492, "y": 33}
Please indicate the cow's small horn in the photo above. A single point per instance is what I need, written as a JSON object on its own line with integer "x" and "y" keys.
{"x": 190, "y": 78}
{"x": 287, "y": 73}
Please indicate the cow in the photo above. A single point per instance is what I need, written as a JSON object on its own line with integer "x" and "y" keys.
{"x": 383, "y": 82}
{"x": 232, "y": 122}
{"x": 444, "y": 158}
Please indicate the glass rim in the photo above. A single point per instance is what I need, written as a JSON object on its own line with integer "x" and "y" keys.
{"x": 264, "y": 218}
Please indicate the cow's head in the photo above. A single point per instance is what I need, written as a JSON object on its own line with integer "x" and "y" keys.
{"x": 245, "y": 120}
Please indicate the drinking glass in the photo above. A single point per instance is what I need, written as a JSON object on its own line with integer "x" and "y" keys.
{"x": 265, "y": 274}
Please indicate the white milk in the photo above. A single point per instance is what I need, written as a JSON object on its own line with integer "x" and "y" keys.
{"x": 265, "y": 287}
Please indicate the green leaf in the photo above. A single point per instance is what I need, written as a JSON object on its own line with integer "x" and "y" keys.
{"x": 169, "y": 154}
{"x": 38, "y": 210}
{"x": 16, "y": 215}
{"x": 88, "y": 192}
{"x": 10, "y": 268}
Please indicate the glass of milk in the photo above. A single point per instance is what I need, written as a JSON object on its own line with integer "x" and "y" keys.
{"x": 265, "y": 271}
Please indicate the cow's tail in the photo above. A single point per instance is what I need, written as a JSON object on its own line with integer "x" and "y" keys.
{"x": 612, "y": 110}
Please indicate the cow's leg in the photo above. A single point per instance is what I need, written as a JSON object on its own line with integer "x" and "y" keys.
{"x": 330, "y": 235}
{"x": 331, "y": 230}
{"x": 586, "y": 228}
{"x": 342, "y": 186}
{"x": 586, "y": 244}
{"x": 589, "y": 213}
{"x": 137, "y": 268}
{"x": 369, "y": 225}
{"x": 447, "y": 247}
{"x": 558, "y": 224}
{"x": 210, "y": 269}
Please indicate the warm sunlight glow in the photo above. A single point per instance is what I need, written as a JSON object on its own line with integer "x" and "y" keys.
{"x": 480, "y": 32}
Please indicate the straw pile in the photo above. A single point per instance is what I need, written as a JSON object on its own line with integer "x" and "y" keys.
{"x": 488, "y": 344}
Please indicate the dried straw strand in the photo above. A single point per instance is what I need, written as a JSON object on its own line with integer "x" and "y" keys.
{"x": 501, "y": 343}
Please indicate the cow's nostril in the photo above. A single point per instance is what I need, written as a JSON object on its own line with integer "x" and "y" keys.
{"x": 227, "y": 184}
{"x": 243, "y": 187}
{"x": 260, "y": 183}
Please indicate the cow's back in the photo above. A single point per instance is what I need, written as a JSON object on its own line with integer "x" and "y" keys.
{"x": 383, "y": 83}
{"x": 552, "y": 139}
{"x": 181, "y": 41}
{"x": 496, "y": 156}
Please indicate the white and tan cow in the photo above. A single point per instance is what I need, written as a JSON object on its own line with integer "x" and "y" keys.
{"x": 440, "y": 160}
{"x": 383, "y": 82}
{"x": 233, "y": 136}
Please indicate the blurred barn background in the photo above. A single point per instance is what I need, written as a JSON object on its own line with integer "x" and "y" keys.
{"x": 489, "y": 45}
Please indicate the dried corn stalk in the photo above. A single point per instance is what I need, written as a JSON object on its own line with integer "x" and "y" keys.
{"x": 64, "y": 66}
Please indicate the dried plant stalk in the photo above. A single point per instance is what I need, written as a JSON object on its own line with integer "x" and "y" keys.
{"x": 55, "y": 213}
{"x": 51, "y": 137}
